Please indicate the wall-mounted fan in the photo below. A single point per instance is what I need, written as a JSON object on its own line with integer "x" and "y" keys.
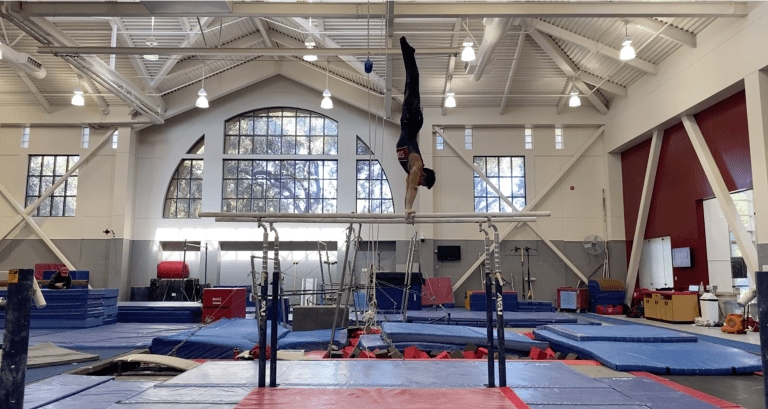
{"x": 594, "y": 245}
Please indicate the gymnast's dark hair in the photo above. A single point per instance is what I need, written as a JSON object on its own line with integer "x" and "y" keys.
{"x": 429, "y": 180}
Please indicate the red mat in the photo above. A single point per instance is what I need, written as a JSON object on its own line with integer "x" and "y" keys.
{"x": 278, "y": 398}
{"x": 437, "y": 291}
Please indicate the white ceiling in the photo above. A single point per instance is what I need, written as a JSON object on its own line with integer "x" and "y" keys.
{"x": 535, "y": 60}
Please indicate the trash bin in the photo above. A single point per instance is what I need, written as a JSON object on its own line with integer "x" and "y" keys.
{"x": 710, "y": 312}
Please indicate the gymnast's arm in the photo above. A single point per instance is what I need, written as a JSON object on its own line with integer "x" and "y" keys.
{"x": 412, "y": 182}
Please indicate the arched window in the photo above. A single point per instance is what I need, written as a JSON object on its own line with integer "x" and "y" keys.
{"x": 198, "y": 148}
{"x": 373, "y": 192}
{"x": 293, "y": 183}
{"x": 185, "y": 191}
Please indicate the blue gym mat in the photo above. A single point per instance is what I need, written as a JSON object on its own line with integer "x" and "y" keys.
{"x": 214, "y": 341}
{"x": 102, "y": 396}
{"x": 628, "y": 333}
{"x": 187, "y": 395}
{"x": 574, "y": 396}
{"x": 59, "y": 387}
{"x": 159, "y": 312}
{"x": 219, "y": 373}
{"x": 312, "y": 340}
{"x": 680, "y": 358}
{"x": 371, "y": 342}
{"x": 655, "y": 395}
{"x": 460, "y": 316}
{"x": 456, "y": 335}
{"x": 120, "y": 336}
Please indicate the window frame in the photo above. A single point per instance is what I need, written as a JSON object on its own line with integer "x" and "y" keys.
{"x": 65, "y": 191}
{"x": 497, "y": 177}
{"x": 383, "y": 186}
{"x": 190, "y": 200}
{"x": 528, "y": 138}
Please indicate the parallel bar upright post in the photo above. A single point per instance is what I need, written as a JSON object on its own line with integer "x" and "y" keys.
{"x": 16, "y": 338}
{"x": 488, "y": 308}
{"x": 262, "y": 313}
{"x": 276, "y": 307}
{"x": 340, "y": 292}
{"x": 499, "y": 309}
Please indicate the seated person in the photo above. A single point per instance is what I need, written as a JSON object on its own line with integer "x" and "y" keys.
{"x": 60, "y": 280}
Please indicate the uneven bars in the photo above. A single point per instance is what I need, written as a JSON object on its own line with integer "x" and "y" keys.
{"x": 507, "y": 219}
{"x": 395, "y": 216}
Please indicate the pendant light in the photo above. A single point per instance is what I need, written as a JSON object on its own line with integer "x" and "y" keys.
{"x": 468, "y": 54}
{"x": 202, "y": 100}
{"x": 450, "y": 101}
{"x": 574, "y": 101}
{"x": 77, "y": 99}
{"x": 310, "y": 44}
{"x": 326, "y": 103}
{"x": 151, "y": 42}
{"x": 627, "y": 52}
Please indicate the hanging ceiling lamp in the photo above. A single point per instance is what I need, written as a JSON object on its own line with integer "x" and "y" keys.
{"x": 151, "y": 42}
{"x": 574, "y": 101}
{"x": 326, "y": 103}
{"x": 468, "y": 53}
{"x": 202, "y": 100}
{"x": 627, "y": 52}
{"x": 77, "y": 99}
{"x": 310, "y": 44}
{"x": 450, "y": 101}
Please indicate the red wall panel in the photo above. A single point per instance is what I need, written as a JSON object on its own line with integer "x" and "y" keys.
{"x": 681, "y": 185}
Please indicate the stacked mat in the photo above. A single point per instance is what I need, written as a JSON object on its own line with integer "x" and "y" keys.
{"x": 110, "y": 305}
{"x": 655, "y": 350}
{"x": 74, "y": 308}
{"x": 160, "y": 311}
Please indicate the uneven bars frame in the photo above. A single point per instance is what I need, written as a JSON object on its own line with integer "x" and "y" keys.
{"x": 237, "y": 219}
{"x": 386, "y": 216}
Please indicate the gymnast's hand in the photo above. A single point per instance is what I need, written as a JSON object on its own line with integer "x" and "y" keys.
{"x": 410, "y": 215}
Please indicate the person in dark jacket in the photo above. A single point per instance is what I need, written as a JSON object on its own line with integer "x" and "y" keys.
{"x": 408, "y": 153}
{"x": 60, "y": 280}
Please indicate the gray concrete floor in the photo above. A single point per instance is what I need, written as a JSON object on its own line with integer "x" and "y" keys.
{"x": 744, "y": 390}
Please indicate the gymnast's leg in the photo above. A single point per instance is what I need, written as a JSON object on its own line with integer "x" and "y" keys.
{"x": 412, "y": 119}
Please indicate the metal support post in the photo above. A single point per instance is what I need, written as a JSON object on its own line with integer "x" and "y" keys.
{"x": 488, "y": 307}
{"x": 407, "y": 279}
{"x": 275, "y": 308}
{"x": 16, "y": 338}
{"x": 262, "y": 313}
{"x": 499, "y": 309}
{"x": 350, "y": 231}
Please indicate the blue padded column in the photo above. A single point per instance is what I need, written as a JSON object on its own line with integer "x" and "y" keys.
{"x": 16, "y": 338}
{"x": 762, "y": 308}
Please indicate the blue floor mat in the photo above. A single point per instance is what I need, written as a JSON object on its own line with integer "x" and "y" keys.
{"x": 461, "y": 316}
{"x": 219, "y": 374}
{"x": 682, "y": 358}
{"x": 371, "y": 342}
{"x": 103, "y": 395}
{"x": 36, "y": 374}
{"x": 457, "y": 335}
{"x": 121, "y": 336}
{"x": 214, "y": 341}
{"x": 655, "y": 395}
{"x": 312, "y": 340}
{"x": 59, "y": 387}
{"x": 628, "y": 333}
{"x": 187, "y": 395}
{"x": 574, "y": 396}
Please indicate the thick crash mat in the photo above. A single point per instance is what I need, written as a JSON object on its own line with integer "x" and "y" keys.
{"x": 400, "y": 333}
{"x": 676, "y": 358}
{"x": 312, "y": 340}
{"x": 627, "y": 333}
{"x": 214, "y": 341}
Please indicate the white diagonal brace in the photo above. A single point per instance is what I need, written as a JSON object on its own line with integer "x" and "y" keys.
{"x": 263, "y": 31}
{"x": 451, "y": 63}
{"x": 390, "y": 27}
{"x": 193, "y": 64}
{"x": 558, "y": 253}
{"x": 530, "y": 206}
{"x": 564, "y": 62}
{"x": 723, "y": 196}
{"x": 512, "y": 71}
{"x": 32, "y": 87}
{"x": 172, "y": 60}
{"x": 31, "y": 208}
{"x": 603, "y": 83}
{"x": 480, "y": 173}
{"x": 564, "y": 98}
{"x": 642, "y": 214}
{"x": 16, "y": 206}
{"x": 667, "y": 31}
{"x": 91, "y": 89}
{"x": 592, "y": 45}
{"x": 125, "y": 40}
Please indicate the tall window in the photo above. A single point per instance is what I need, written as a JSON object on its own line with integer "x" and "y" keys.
{"x": 745, "y": 207}
{"x": 559, "y": 138}
{"x": 25, "y": 137}
{"x": 280, "y": 186}
{"x": 115, "y": 139}
{"x": 281, "y": 131}
{"x": 85, "y": 137}
{"x": 362, "y": 147}
{"x": 373, "y": 193}
{"x": 508, "y": 174}
{"x": 44, "y": 171}
{"x": 439, "y": 143}
{"x": 528, "y": 138}
{"x": 183, "y": 199}
{"x": 468, "y": 138}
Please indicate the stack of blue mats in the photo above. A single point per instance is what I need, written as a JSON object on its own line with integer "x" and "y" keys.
{"x": 655, "y": 350}
{"x": 110, "y": 305}
{"x": 159, "y": 311}
{"x": 535, "y": 306}
{"x": 451, "y": 337}
{"x": 312, "y": 340}
{"x": 215, "y": 341}
{"x": 73, "y": 308}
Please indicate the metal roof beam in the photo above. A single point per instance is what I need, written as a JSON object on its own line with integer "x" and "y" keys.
{"x": 138, "y": 65}
{"x": 451, "y": 63}
{"x": 669, "y": 32}
{"x": 36, "y": 92}
{"x": 563, "y": 99}
{"x": 170, "y": 62}
{"x": 603, "y": 83}
{"x": 390, "y": 25}
{"x": 512, "y": 70}
{"x": 591, "y": 45}
{"x": 569, "y": 68}
{"x": 360, "y": 10}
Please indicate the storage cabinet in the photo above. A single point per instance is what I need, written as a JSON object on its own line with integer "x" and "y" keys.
{"x": 671, "y": 306}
